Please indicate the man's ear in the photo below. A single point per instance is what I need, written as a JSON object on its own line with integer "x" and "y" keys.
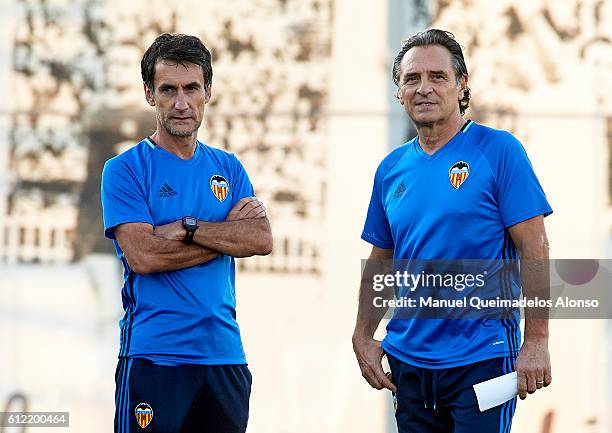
{"x": 207, "y": 92}
{"x": 463, "y": 86}
{"x": 148, "y": 95}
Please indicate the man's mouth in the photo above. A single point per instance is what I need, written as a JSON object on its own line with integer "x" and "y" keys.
{"x": 425, "y": 103}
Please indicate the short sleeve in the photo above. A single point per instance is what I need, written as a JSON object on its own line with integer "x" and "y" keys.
{"x": 123, "y": 200}
{"x": 520, "y": 194}
{"x": 376, "y": 230}
{"x": 242, "y": 186}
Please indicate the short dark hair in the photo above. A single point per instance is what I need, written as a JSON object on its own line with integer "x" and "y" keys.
{"x": 177, "y": 48}
{"x": 436, "y": 37}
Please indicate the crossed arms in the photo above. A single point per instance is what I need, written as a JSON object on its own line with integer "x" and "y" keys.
{"x": 244, "y": 233}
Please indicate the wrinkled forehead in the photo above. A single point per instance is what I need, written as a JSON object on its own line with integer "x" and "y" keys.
{"x": 419, "y": 60}
{"x": 175, "y": 73}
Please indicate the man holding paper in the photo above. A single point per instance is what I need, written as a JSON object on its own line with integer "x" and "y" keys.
{"x": 458, "y": 191}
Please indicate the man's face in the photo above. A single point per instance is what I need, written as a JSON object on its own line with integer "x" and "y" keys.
{"x": 179, "y": 96}
{"x": 428, "y": 89}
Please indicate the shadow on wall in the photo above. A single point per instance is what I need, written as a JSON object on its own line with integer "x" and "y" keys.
{"x": 109, "y": 133}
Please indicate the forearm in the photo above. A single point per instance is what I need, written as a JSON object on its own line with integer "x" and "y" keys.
{"x": 240, "y": 238}
{"x": 535, "y": 280}
{"x": 161, "y": 255}
{"x": 368, "y": 314}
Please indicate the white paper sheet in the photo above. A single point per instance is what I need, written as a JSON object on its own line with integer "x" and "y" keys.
{"x": 496, "y": 391}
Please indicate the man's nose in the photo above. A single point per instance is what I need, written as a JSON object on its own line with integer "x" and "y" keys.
{"x": 424, "y": 87}
{"x": 181, "y": 100}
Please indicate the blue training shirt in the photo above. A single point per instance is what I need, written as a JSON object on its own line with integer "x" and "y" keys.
{"x": 455, "y": 204}
{"x": 186, "y": 316}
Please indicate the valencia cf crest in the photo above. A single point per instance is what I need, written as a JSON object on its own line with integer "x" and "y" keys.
{"x": 458, "y": 173}
{"x": 219, "y": 186}
{"x": 144, "y": 414}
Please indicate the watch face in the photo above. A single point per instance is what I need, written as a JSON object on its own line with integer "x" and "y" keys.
{"x": 191, "y": 221}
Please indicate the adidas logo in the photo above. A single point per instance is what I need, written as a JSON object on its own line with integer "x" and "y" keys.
{"x": 401, "y": 189}
{"x": 166, "y": 191}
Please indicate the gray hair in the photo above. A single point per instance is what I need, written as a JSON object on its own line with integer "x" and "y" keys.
{"x": 448, "y": 41}
{"x": 177, "y": 48}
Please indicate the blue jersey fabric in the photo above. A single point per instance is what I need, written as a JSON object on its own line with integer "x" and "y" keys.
{"x": 186, "y": 316}
{"x": 417, "y": 210}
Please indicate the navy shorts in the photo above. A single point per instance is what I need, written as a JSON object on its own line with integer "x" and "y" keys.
{"x": 443, "y": 400}
{"x": 181, "y": 399}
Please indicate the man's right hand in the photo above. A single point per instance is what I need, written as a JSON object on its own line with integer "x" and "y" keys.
{"x": 247, "y": 208}
{"x": 369, "y": 355}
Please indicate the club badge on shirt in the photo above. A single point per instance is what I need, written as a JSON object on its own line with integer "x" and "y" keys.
{"x": 219, "y": 186}
{"x": 458, "y": 173}
{"x": 144, "y": 414}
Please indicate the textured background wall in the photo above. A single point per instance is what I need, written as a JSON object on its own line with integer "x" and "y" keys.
{"x": 302, "y": 93}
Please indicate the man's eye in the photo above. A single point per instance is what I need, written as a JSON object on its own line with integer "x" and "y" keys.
{"x": 410, "y": 79}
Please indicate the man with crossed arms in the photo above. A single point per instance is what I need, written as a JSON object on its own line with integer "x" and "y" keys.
{"x": 178, "y": 212}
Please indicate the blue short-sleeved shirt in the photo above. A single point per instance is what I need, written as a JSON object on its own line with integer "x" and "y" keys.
{"x": 455, "y": 204}
{"x": 186, "y": 316}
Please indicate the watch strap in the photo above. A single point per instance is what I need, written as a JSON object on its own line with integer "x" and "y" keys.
{"x": 190, "y": 228}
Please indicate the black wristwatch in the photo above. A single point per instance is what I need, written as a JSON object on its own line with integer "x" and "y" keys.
{"x": 191, "y": 225}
